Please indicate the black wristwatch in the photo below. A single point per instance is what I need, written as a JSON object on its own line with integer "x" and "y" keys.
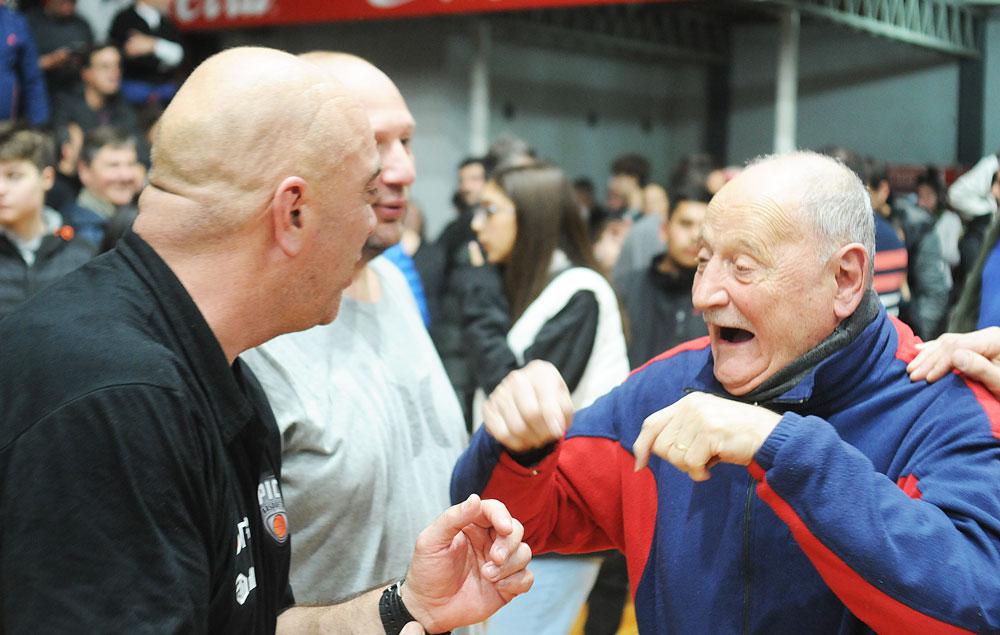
{"x": 393, "y": 612}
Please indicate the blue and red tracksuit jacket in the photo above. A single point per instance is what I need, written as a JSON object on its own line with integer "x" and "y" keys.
{"x": 874, "y": 504}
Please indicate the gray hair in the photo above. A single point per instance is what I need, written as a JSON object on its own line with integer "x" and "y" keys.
{"x": 833, "y": 198}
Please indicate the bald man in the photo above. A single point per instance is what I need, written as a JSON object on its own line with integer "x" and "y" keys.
{"x": 783, "y": 474}
{"x": 370, "y": 425}
{"x": 141, "y": 473}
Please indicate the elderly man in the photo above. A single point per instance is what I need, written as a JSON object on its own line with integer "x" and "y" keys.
{"x": 842, "y": 496}
{"x": 141, "y": 465}
{"x": 370, "y": 426}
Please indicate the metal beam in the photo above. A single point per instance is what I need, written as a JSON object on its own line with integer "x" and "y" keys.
{"x": 946, "y": 26}
{"x": 644, "y": 31}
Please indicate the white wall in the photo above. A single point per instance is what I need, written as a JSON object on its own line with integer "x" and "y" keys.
{"x": 552, "y": 92}
{"x": 878, "y": 97}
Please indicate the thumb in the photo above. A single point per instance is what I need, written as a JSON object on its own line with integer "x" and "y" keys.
{"x": 977, "y": 367}
{"x": 413, "y": 628}
{"x": 440, "y": 533}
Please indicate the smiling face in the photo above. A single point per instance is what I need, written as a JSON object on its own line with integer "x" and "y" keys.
{"x": 113, "y": 175}
{"x": 765, "y": 294}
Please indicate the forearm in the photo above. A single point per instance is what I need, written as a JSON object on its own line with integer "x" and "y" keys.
{"x": 887, "y": 568}
{"x": 358, "y": 616}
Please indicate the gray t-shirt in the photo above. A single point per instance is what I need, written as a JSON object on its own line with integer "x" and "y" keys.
{"x": 370, "y": 430}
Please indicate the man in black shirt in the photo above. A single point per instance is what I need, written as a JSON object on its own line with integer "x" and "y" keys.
{"x": 140, "y": 463}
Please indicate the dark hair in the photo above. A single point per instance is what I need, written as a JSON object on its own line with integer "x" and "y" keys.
{"x": 507, "y": 151}
{"x": 874, "y": 172}
{"x": 690, "y": 192}
{"x": 547, "y": 219}
{"x": 632, "y": 165}
{"x": 690, "y": 170}
{"x": 103, "y": 137}
{"x": 467, "y": 161}
{"x": 88, "y": 54}
{"x": 932, "y": 179}
{"x": 19, "y": 143}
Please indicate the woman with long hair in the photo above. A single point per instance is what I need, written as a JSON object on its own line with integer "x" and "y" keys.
{"x": 542, "y": 298}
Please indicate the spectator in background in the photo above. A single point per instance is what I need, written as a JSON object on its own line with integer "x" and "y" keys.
{"x": 931, "y": 196}
{"x": 979, "y": 305}
{"x": 98, "y": 102}
{"x": 627, "y": 199}
{"x": 65, "y": 189}
{"x": 109, "y": 172}
{"x": 927, "y": 276}
{"x": 151, "y": 45}
{"x": 471, "y": 179}
{"x": 36, "y": 249}
{"x": 22, "y": 85}
{"x": 441, "y": 265}
{"x": 63, "y": 39}
{"x": 550, "y": 303}
{"x": 657, "y": 299}
{"x": 629, "y": 175}
{"x": 970, "y": 196}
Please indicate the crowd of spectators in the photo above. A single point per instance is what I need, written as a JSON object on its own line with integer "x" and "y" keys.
{"x": 532, "y": 266}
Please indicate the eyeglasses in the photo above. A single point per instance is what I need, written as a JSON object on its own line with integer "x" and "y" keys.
{"x": 489, "y": 211}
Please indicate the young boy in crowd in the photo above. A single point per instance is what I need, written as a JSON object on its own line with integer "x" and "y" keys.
{"x": 36, "y": 248}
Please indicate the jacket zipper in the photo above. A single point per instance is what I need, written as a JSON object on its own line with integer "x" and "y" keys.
{"x": 748, "y": 506}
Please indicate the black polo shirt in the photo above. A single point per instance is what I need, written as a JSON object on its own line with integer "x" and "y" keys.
{"x": 138, "y": 470}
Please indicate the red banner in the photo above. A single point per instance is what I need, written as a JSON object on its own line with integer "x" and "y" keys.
{"x": 227, "y": 14}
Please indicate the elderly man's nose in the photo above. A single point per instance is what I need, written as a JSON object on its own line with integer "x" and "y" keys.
{"x": 708, "y": 290}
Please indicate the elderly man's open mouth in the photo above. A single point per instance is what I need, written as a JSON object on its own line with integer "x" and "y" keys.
{"x": 734, "y": 335}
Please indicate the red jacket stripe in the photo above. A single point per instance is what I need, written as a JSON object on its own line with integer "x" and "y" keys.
{"x": 874, "y": 607}
{"x": 691, "y": 345}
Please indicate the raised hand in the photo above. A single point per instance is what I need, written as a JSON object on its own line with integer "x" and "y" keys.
{"x": 466, "y": 565}
{"x": 530, "y": 408}
{"x": 701, "y": 430}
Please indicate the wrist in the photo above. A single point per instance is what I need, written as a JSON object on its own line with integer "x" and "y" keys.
{"x": 394, "y": 610}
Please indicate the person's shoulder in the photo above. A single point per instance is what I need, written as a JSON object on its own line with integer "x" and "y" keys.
{"x": 680, "y": 360}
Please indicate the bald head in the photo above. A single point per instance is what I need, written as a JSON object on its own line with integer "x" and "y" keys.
{"x": 362, "y": 79}
{"x": 806, "y": 191}
{"x": 245, "y": 119}
{"x": 392, "y": 124}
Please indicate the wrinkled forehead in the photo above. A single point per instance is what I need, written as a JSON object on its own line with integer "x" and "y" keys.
{"x": 754, "y": 212}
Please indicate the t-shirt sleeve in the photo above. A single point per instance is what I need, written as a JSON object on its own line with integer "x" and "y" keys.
{"x": 106, "y": 517}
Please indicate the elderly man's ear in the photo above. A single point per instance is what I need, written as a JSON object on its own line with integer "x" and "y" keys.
{"x": 850, "y": 264}
{"x": 288, "y": 215}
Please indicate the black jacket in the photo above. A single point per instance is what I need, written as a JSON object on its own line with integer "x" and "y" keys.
{"x": 658, "y": 308}
{"x": 58, "y": 255}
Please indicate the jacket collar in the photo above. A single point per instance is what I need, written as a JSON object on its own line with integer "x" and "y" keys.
{"x": 823, "y": 375}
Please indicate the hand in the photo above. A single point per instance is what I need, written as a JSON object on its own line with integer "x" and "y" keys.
{"x": 530, "y": 408}
{"x": 476, "y": 258}
{"x": 413, "y": 628}
{"x": 58, "y": 57}
{"x": 466, "y": 565}
{"x": 139, "y": 44}
{"x": 976, "y": 355}
{"x": 701, "y": 430}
